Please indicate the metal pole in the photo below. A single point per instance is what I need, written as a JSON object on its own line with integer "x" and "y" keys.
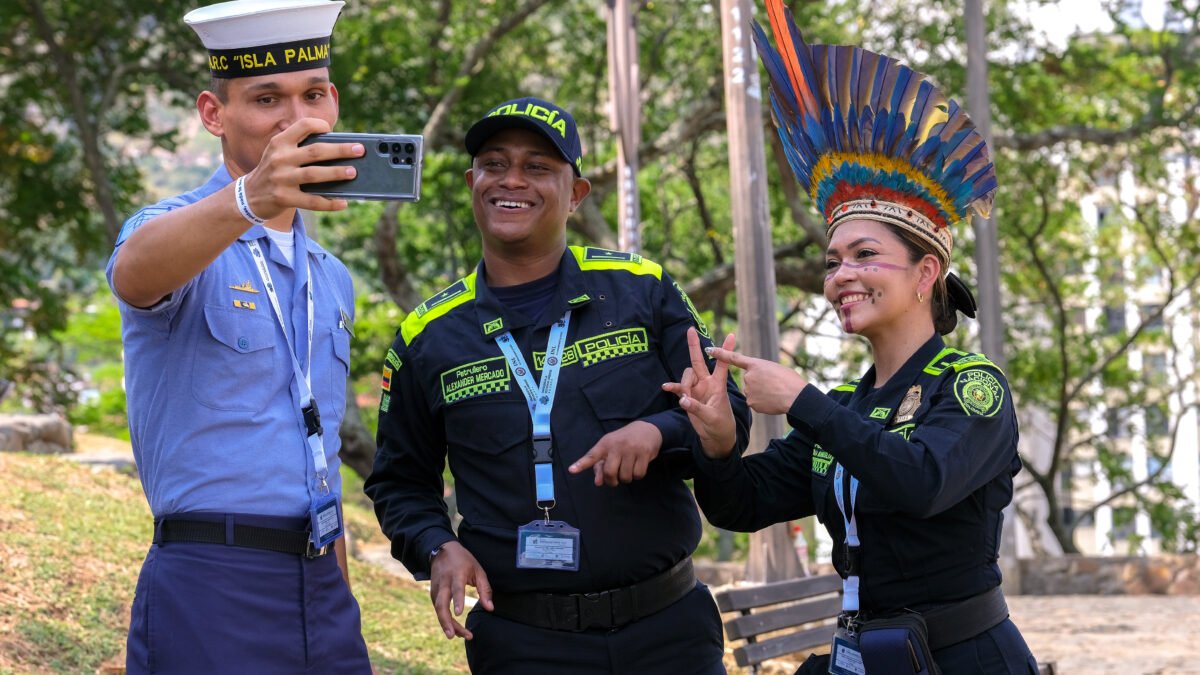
{"x": 987, "y": 257}
{"x": 772, "y": 556}
{"x": 626, "y": 119}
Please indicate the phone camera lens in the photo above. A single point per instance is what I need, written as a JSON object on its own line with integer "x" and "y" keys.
{"x": 383, "y": 148}
{"x": 395, "y": 147}
{"x": 409, "y": 147}
{"x": 395, "y": 160}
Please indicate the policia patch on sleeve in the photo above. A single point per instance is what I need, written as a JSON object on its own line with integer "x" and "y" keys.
{"x": 979, "y": 392}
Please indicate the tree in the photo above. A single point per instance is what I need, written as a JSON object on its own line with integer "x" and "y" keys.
{"x": 80, "y": 81}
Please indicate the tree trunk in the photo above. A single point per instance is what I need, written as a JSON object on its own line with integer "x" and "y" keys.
{"x": 358, "y": 448}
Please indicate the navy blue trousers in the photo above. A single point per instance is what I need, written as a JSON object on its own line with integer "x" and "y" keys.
{"x": 999, "y": 650}
{"x": 683, "y": 638}
{"x": 211, "y": 608}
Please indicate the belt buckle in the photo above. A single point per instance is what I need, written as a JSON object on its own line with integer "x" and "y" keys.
{"x": 590, "y": 605}
{"x": 311, "y": 552}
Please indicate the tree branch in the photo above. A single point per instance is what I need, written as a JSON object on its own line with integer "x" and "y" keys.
{"x": 473, "y": 62}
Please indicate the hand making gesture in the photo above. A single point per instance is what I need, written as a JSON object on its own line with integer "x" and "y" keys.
{"x": 703, "y": 395}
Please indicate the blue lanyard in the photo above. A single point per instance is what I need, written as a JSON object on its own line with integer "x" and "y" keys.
{"x": 312, "y": 418}
{"x": 850, "y": 583}
{"x": 540, "y": 397}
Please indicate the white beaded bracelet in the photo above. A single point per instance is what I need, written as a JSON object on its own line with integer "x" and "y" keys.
{"x": 239, "y": 192}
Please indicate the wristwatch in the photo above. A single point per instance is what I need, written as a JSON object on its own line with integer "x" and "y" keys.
{"x": 434, "y": 553}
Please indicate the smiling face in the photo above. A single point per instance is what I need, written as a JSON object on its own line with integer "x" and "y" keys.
{"x": 254, "y": 109}
{"x": 872, "y": 280}
{"x": 522, "y": 191}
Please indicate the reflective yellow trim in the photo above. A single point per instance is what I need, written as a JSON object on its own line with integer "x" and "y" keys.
{"x": 591, "y": 258}
{"x": 958, "y": 360}
{"x": 437, "y": 305}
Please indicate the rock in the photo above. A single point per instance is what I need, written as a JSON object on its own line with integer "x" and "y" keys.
{"x": 42, "y": 434}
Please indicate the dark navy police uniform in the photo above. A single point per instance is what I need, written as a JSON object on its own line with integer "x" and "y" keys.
{"x": 449, "y": 393}
{"x": 935, "y": 467}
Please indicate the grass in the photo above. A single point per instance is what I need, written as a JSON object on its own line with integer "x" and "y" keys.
{"x": 72, "y": 539}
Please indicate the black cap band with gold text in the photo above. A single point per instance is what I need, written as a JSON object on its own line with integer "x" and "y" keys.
{"x": 283, "y": 57}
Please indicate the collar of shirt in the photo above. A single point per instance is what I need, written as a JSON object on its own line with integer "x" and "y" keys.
{"x": 572, "y": 293}
{"x": 896, "y": 387}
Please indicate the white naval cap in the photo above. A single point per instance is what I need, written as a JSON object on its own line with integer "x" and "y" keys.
{"x": 261, "y": 37}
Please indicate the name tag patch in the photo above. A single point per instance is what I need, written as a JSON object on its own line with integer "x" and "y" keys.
{"x": 489, "y": 376}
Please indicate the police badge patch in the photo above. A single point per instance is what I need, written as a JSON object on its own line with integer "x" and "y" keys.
{"x": 979, "y": 392}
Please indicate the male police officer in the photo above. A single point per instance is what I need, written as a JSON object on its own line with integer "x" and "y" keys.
{"x": 543, "y": 363}
{"x": 237, "y": 331}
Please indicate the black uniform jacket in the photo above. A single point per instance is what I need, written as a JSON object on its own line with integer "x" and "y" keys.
{"x": 448, "y": 392}
{"x": 931, "y": 486}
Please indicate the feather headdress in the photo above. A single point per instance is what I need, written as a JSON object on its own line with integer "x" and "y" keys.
{"x": 871, "y": 138}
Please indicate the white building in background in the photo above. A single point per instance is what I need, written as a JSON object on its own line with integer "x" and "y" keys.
{"x": 1169, "y": 372}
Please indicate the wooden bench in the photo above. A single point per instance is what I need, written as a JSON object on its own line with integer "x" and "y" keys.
{"x": 786, "y": 617}
{"x": 802, "y": 611}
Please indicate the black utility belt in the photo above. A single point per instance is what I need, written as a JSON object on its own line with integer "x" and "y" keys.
{"x": 947, "y": 625}
{"x": 607, "y": 610}
{"x": 232, "y": 533}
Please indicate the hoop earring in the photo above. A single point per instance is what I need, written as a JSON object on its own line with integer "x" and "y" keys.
{"x": 920, "y": 298}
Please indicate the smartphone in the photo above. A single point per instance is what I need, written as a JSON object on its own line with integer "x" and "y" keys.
{"x": 390, "y": 167}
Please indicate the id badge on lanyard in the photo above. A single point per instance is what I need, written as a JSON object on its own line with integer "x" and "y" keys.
{"x": 544, "y": 543}
{"x": 844, "y": 656}
{"x": 325, "y": 510}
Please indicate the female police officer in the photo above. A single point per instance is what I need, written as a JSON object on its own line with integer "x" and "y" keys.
{"x": 909, "y": 466}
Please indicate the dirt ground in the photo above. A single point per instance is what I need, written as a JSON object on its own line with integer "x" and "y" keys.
{"x": 1103, "y": 635}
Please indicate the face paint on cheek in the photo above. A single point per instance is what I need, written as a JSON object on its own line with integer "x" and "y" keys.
{"x": 874, "y": 266}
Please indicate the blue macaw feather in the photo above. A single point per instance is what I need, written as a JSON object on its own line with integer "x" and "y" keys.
{"x": 848, "y": 100}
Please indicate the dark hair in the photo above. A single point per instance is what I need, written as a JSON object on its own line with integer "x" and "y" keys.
{"x": 945, "y": 312}
{"x": 219, "y": 86}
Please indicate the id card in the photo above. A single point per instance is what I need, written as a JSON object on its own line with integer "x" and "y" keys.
{"x": 844, "y": 657}
{"x": 326, "y": 519}
{"x": 552, "y": 545}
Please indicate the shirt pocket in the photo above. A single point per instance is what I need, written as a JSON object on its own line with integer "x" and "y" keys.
{"x": 339, "y": 370}
{"x": 234, "y": 366}
{"x": 490, "y": 452}
{"x": 626, "y": 391}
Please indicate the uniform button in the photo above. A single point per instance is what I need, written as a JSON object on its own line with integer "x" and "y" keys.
{"x": 601, "y": 296}
{"x": 608, "y": 324}
{"x": 243, "y": 343}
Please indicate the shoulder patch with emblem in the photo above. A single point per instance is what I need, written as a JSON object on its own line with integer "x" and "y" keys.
{"x": 979, "y": 392}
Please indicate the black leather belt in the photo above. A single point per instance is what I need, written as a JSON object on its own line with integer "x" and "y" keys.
{"x": 249, "y": 536}
{"x": 606, "y": 610}
{"x": 964, "y": 620}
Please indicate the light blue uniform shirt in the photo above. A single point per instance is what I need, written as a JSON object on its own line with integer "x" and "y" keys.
{"x": 214, "y": 410}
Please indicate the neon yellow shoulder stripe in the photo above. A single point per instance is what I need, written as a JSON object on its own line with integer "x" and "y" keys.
{"x": 439, "y": 304}
{"x": 958, "y": 360}
{"x": 849, "y": 386}
{"x": 591, "y": 258}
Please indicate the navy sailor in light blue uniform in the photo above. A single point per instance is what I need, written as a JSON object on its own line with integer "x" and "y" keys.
{"x": 236, "y": 328}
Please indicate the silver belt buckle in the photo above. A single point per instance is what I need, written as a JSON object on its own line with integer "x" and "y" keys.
{"x": 311, "y": 552}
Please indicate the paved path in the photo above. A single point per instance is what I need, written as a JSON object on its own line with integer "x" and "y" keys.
{"x": 1111, "y": 635}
